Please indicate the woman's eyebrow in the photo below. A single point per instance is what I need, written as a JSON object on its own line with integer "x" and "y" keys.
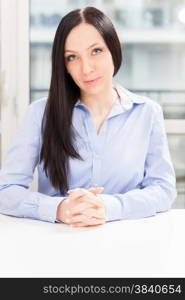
{"x": 86, "y": 49}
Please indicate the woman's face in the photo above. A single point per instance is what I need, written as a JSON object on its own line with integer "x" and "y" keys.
{"x": 87, "y": 57}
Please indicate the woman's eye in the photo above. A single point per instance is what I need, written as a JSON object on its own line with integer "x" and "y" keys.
{"x": 97, "y": 50}
{"x": 70, "y": 57}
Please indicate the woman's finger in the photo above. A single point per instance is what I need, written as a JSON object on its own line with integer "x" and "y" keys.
{"x": 78, "y": 208}
{"x": 99, "y": 214}
{"x": 86, "y": 220}
{"x": 92, "y": 189}
{"x": 96, "y": 190}
{"x": 79, "y": 192}
{"x": 86, "y": 197}
{"x": 88, "y": 211}
{"x": 78, "y": 224}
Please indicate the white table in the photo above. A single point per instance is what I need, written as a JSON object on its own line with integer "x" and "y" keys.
{"x": 150, "y": 247}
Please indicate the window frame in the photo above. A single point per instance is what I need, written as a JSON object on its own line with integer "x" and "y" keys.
{"x": 14, "y": 68}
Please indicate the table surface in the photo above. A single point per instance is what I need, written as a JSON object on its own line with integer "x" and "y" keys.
{"x": 149, "y": 247}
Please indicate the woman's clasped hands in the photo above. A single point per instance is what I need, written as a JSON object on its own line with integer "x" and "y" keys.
{"x": 82, "y": 208}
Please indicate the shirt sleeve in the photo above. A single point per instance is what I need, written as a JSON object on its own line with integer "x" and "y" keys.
{"x": 17, "y": 173}
{"x": 157, "y": 190}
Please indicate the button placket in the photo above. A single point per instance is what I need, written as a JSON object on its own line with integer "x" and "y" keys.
{"x": 96, "y": 142}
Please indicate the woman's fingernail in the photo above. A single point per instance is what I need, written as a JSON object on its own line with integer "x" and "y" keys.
{"x": 77, "y": 189}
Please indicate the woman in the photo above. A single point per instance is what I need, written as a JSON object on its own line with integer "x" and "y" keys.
{"x": 104, "y": 143}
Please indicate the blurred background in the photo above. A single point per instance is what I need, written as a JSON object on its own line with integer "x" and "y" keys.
{"x": 152, "y": 35}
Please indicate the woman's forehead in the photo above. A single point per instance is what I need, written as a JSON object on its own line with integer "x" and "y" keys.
{"x": 82, "y": 36}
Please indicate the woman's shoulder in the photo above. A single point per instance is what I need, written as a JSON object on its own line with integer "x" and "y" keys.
{"x": 152, "y": 105}
{"x": 35, "y": 111}
{"x": 39, "y": 103}
{"x": 130, "y": 97}
{"x": 37, "y": 107}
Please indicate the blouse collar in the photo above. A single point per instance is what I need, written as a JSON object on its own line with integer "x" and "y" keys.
{"x": 126, "y": 98}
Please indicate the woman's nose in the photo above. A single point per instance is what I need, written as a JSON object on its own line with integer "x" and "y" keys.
{"x": 86, "y": 66}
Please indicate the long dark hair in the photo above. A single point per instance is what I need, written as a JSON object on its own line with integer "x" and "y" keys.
{"x": 58, "y": 133}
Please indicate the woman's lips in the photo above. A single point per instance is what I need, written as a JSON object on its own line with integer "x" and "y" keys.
{"x": 92, "y": 81}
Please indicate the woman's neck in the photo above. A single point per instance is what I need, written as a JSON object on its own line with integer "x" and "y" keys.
{"x": 101, "y": 103}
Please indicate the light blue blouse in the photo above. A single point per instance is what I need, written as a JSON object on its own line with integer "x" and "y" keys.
{"x": 129, "y": 158}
